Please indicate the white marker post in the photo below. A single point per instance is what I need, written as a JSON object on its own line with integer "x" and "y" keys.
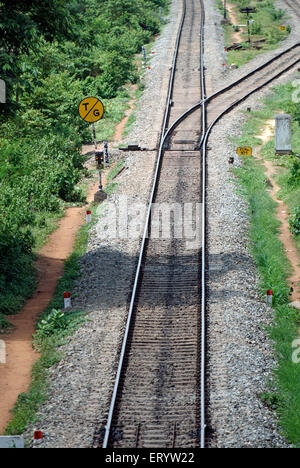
{"x": 67, "y": 300}
{"x": 37, "y": 438}
{"x": 283, "y": 134}
{"x": 269, "y": 297}
{"x": 2, "y": 352}
{"x": 9, "y": 442}
{"x": 88, "y": 216}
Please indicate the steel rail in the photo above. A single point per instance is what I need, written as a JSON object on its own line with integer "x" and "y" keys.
{"x": 204, "y": 138}
{"x": 254, "y": 71}
{"x": 207, "y": 99}
{"x": 239, "y": 101}
{"x": 145, "y": 235}
{"x": 203, "y": 240}
{"x": 203, "y": 144}
{"x": 295, "y": 8}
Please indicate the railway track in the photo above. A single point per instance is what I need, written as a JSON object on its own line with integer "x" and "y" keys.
{"x": 294, "y": 5}
{"x": 157, "y": 400}
{"x": 222, "y": 100}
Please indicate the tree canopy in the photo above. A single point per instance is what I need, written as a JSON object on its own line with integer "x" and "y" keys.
{"x": 53, "y": 53}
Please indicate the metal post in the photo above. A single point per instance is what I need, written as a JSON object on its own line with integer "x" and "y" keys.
{"x": 144, "y": 54}
{"x": 94, "y": 135}
{"x": 225, "y": 12}
{"x": 248, "y": 24}
{"x": 100, "y": 181}
{"x": 106, "y": 155}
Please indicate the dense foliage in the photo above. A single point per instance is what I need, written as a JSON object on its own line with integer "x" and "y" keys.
{"x": 295, "y": 221}
{"x": 53, "y": 54}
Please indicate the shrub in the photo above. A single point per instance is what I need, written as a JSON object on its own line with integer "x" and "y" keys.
{"x": 41, "y": 133}
{"x": 294, "y": 221}
{"x": 256, "y": 28}
{"x": 295, "y": 171}
{"x": 277, "y": 14}
{"x": 56, "y": 321}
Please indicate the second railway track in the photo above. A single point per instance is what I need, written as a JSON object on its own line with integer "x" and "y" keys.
{"x": 157, "y": 398}
{"x": 294, "y": 5}
{"x": 159, "y": 395}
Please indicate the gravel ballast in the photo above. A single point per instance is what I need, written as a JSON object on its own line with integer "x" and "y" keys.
{"x": 240, "y": 356}
{"x": 80, "y": 385}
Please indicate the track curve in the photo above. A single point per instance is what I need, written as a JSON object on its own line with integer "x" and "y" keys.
{"x": 157, "y": 399}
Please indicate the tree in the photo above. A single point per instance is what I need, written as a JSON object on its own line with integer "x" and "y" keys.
{"x": 22, "y": 25}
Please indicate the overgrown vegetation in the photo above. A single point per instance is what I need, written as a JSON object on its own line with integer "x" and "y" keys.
{"x": 52, "y": 55}
{"x": 270, "y": 255}
{"x": 265, "y": 27}
{"x": 53, "y": 330}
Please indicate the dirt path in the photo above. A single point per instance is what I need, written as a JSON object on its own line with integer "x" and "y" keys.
{"x": 282, "y": 215}
{"x": 120, "y": 127}
{"x": 237, "y": 35}
{"x": 15, "y": 375}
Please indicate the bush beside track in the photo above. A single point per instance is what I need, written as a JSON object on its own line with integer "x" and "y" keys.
{"x": 88, "y": 47}
{"x": 265, "y": 27}
{"x": 269, "y": 253}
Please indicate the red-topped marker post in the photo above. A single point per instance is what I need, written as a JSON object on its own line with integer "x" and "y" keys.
{"x": 269, "y": 297}
{"x": 67, "y": 300}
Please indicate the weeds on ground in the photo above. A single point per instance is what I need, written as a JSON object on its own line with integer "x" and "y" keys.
{"x": 265, "y": 26}
{"x": 271, "y": 261}
{"x": 53, "y": 331}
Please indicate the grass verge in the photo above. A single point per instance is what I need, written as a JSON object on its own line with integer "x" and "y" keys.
{"x": 24, "y": 411}
{"x": 54, "y": 332}
{"x": 273, "y": 267}
{"x": 265, "y": 27}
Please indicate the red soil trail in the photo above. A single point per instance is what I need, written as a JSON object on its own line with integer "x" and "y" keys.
{"x": 120, "y": 127}
{"x": 15, "y": 375}
{"x": 282, "y": 214}
{"x": 237, "y": 35}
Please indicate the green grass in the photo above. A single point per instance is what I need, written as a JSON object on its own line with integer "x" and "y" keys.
{"x": 5, "y": 325}
{"x": 24, "y": 411}
{"x": 114, "y": 112}
{"x": 272, "y": 263}
{"x": 115, "y": 170}
{"x": 266, "y": 26}
{"x": 279, "y": 99}
{"x": 266, "y": 247}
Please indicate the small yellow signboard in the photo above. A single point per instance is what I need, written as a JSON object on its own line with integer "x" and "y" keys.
{"x": 282, "y": 28}
{"x": 244, "y": 151}
{"x": 91, "y": 109}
